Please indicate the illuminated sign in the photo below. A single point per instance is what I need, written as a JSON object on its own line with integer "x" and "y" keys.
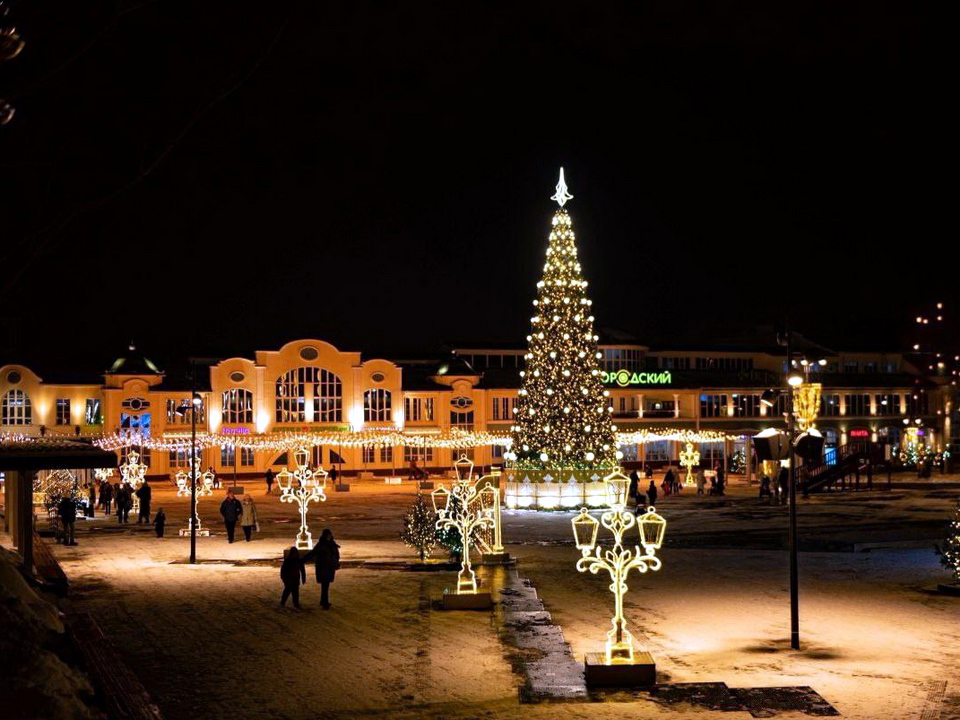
{"x": 624, "y": 378}
{"x": 859, "y": 433}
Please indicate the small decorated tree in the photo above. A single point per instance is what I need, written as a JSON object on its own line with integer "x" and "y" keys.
{"x": 949, "y": 551}
{"x": 419, "y": 528}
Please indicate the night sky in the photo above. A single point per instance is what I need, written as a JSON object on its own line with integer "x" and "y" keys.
{"x": 218, "y": 177}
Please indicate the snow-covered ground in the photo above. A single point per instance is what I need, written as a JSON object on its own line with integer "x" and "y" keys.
{"x": 208, "y": 641}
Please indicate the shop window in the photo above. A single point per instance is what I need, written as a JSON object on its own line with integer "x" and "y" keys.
{"x": 17, "y": 408}
{"x": 63, "y": 411}
{"x": 237, "y": 406}
{"x": 377, "y": 405}
{"x": 309, "y": 391}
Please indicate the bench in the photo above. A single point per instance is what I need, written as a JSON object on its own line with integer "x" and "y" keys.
{"x": 49, "y": 572}
{"x": 365, "y": 475}
{"x": 393, "y": 480}
{"x": 120, "y": 691}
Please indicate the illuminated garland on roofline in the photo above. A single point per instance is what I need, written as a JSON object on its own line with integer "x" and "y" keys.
{"x": 453, "y": 439}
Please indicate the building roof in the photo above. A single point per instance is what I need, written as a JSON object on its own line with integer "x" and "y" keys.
{"x": 23, "y": 453}
{"x": 133, "y": 362}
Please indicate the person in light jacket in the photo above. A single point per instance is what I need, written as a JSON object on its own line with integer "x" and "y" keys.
{"x": 326, "y": 555}
{"x": 248, "y": 518}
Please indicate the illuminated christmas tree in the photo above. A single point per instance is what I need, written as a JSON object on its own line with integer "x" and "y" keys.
{"x": 419, "y": 528}
{"x": 562, "y": 417}
{"x": 949, "y": 552}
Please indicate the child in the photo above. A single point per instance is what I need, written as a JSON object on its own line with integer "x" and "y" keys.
{"x": 159, "y": 520}
{"x": 293, "y": 574}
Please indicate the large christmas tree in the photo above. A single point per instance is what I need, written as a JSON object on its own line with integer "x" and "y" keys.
{"x": 562, "y": 417}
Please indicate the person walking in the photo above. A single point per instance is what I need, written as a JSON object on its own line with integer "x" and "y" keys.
{"x": 721, "y": 477}
{"x": 160, "y": 522}
{"x": 269, "y": 480}
{"x": 67, "y": 510}
{"x": 231, "y": 510}
{"x": 106, "y": 496}
{"x": 124, "y": 503}
{"x": 292, "y": 574}
{"x": 91, "y": 500}
{"x": 765, "y": 488}
{"x": 634, "y": 485}
{"x": 145, "y": 493}
{"x": 334, "y": 475}
{"x": 216, "y": 478}
{"x": 326, "y": 555}
{"x": 667, "y": 484}
{"x": 652, "y": 493}
{"x": 783, "y": 483}
{"x": 701, "y": 481}
{"x": 248, "y": 518}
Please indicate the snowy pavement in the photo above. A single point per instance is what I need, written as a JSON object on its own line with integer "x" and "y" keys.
{"x": 208, "y": 641}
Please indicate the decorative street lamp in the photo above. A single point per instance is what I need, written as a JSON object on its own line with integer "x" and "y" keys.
{"x": 133, "y": 472}
{"x": 620, "y": 665}
{"x": 464, "y": 507}
{"x": 302, "y": 486}
{"x": 688, "y": 459}
{"x": 185, "y": 489}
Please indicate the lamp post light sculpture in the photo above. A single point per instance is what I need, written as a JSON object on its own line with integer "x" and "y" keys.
{"x": 620, "y": 666}
{"x": 303, "y": 486}
{"x": 133, "y": 472}
{"x": 689, "y": 458}
{"x": 464, "y": 507}
{"x": 185, "y": 489}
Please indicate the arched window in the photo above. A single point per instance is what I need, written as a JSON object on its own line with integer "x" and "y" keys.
{"x": 376, "y": 405}
{"x": 237, "y": 406}
{"x": 17, "y": 409}
{"x": 309, "y": 394}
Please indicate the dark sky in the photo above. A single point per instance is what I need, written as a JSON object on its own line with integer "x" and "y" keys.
{"x": 217, "y": 177}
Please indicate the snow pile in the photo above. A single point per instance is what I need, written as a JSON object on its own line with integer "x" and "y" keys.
{"x": 34, "y": 682}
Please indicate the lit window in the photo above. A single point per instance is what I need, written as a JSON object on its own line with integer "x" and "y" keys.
{"x": 237, "y": 406}
{"x": 309, "y": 387}
{"x": 63, "y": 411}
{"x": 377, "y": 405}
{"x": 17, "y": 409}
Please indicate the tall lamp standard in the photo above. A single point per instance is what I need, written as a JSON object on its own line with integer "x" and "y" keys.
{"x": 191, "y": 406}
{"x": 795, "y": 379}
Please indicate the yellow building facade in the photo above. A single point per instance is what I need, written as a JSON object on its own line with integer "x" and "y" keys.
{"x": 311, "y": 386}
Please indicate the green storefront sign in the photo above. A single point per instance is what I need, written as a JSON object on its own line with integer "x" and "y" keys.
{"x": 626, "y": 378}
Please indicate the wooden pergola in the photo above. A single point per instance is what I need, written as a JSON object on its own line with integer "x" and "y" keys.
{"x": 20, "y": 459}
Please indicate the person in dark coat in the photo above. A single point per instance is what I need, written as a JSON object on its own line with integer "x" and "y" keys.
{"x": 292, "y": 575}
{"x": 334, "y": 475}
{"x": 652, "y": 493}
{"x": 160, "y": 521}
{"x": 783, "y": 484}
{"x": 124, "y": 503}
{"x": 721, "y": 477}
{"x": 326, "y": 555}
{"x": 144, "y": 492}
{"x": 67, "y": 509}
{"x": 231, "y": 510}
{"x": 91, "y": 500}
{"x": 269, "y": 480}
{"x": 765, "y": 488}
{"x": 106, "y": 496}
{"x": 634, "y": 485}
{"x": 667, "y": 484}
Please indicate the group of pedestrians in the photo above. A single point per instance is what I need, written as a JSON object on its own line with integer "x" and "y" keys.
{"x": 326, "y": 557}
{"x": 233, "y": 511}
{"x": 776, "y": 491}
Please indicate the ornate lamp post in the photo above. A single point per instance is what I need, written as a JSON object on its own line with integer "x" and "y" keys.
{"x": 133, "y": 472}
{"x": 302, "y": 486}
{"x": 185, "y": 489}
{"x": 463, "y": 507}
{"x": 103, "y": 474}
{"x": 689, "y": 458}
{"x": 620, "y": 665}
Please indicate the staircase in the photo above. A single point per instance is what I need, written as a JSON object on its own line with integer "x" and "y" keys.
{"x": 852, "y": 459}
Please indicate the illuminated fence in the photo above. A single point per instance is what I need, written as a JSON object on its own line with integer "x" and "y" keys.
{"x": 549, "y": 490}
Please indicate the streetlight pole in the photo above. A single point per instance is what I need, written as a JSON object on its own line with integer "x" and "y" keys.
{"x": 193, "y": 466}
{"x": 794, "y": 573}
